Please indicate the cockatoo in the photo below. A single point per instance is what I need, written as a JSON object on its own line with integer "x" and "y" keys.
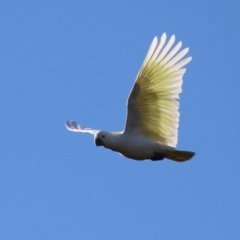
{"x": 151, "y": 130}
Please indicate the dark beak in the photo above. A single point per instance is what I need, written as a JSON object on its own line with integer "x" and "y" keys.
{"x": 98, "y": 142}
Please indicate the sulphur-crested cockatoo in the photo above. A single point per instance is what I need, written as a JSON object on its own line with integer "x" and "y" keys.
{"x": 151, "y": 130}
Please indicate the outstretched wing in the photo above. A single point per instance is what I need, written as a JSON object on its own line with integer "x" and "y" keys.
{"x": 153, "y": 102}
{"x": 74, "y": 127}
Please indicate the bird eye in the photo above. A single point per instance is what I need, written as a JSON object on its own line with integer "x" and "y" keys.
{"x": 103, "y": 136}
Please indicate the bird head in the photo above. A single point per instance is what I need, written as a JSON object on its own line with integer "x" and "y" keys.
{"x": 102, "y": 138}
{"x": 106, "y": 139}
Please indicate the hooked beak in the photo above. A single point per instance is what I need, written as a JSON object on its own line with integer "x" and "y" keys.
{"x": 98, "y": 142}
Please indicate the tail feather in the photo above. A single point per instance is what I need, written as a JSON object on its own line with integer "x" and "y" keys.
{"x": 179, "y": 156}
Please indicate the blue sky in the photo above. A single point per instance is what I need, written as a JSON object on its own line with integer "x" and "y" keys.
{"x": 75, "y": 60}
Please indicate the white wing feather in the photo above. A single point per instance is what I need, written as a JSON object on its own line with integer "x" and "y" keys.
{"x": 74, "y": 127}
{"x": 152, "y": 104}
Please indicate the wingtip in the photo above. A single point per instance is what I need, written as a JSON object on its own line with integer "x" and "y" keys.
{"x": 72, "y": 125}
{"x": 68, "y": 125}
{"x": 164, "y": 35}
{"x": 172, "y": 38}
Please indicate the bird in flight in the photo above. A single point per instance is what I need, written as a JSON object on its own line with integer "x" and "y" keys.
{"x": 151, "y": 130}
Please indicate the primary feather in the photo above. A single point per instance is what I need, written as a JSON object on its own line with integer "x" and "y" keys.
{"x": 152, "y": 104}
{"x": 74, "y": 127}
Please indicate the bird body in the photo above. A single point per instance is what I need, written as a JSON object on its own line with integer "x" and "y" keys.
{"x": 134, "y": 146}
{"x": 151, "y": 130}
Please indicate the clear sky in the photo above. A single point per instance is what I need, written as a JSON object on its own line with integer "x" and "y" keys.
{"x": 77, "y": 60}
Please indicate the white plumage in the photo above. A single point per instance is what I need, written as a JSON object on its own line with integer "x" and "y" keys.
{"x": 151, "y": 130}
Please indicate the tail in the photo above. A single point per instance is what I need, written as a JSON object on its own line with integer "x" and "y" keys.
{"x": 179, "y": 156}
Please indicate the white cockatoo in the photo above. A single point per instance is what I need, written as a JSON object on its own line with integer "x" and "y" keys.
{"x": 151, "y": 130}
